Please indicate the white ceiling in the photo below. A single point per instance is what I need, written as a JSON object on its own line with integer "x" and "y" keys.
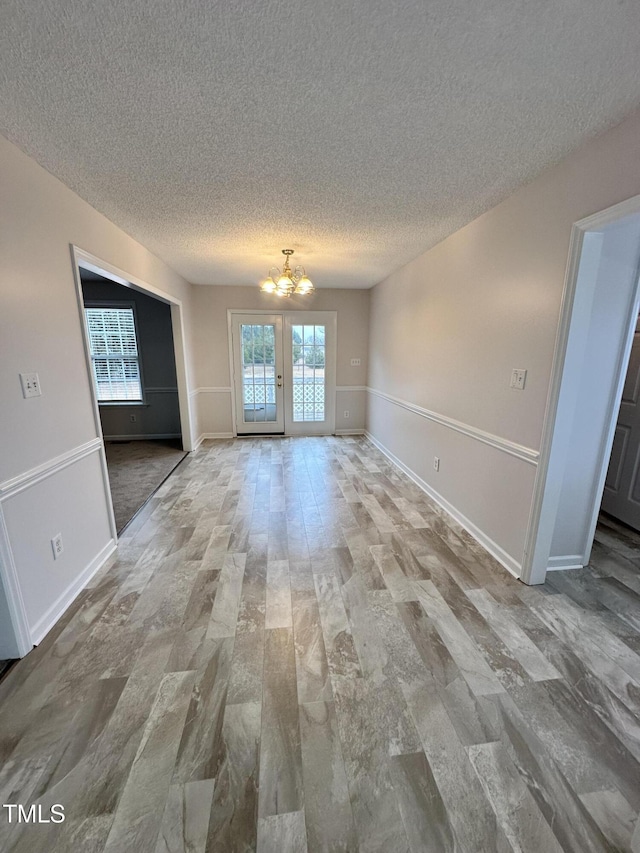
{"x": 358, "y": 132}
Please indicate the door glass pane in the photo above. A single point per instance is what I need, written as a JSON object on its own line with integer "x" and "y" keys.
{"x": 308, "y": 356}
{"x": 258, "y": 373}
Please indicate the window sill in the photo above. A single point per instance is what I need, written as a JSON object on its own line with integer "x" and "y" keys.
{"x": 127, "y": 404}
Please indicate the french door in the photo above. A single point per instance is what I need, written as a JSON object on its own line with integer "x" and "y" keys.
{"x": 284, "y": 372}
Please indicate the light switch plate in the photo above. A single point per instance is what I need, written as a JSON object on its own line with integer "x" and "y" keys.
{"x": 518, "y": 378}
{"x": 30, "y": 385}
{"x": 355, "y": 362}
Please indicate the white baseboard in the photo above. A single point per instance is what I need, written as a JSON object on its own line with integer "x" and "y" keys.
{"x": 349, "y": 431}
{"x": 46, "y": 622}
{"x": 207, "y": 436}
{"x": 572, "y": 561}
{"x": 148, "y": 437}
{"x": 506, "y": 560}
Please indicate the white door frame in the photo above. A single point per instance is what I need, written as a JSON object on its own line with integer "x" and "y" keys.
{"x": 576, "y": 319}
{"x": 329, "y": 320}
{"x": 21, "y": 643}
{"x": 322, "y": 316}
{"x": 276, "y": 319}
{"x": 85, "y": 260}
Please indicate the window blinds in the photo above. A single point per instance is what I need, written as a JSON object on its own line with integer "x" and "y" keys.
{"x": 114, "y": 354}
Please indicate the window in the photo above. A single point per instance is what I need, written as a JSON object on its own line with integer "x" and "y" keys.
{"x": 114, "y": 353}
{"x": 308, "y": 355}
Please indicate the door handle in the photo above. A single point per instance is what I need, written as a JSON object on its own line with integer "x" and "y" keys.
{"x": 279, "y": 376}
{"x": 279, "y": 384}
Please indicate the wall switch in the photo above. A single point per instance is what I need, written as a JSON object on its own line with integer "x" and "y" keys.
{"x": 355, "y": 362}
{"x": 436, "y": 463}
{"x": 518, "y": 378}
{"x": 346, "y": 414}
{"x": 30, "y": 385}
{"x": 56, "y": 545}
{"x": 133, "y": 418}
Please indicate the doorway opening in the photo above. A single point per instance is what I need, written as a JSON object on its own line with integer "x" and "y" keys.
{"x": 593, "y": 348}
{"x": 283, "y": 368}
{"x": 133, "y": 359}
{"x": 621, "y": 498}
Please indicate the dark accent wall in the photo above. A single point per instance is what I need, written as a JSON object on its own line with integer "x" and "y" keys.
{"x": 159, "y": 415}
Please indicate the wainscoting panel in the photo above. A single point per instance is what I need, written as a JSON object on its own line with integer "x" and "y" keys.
{"x": 476, "y": 479}
{"x": 64, "y": 496}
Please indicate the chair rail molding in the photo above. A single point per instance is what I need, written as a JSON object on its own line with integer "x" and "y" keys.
{"x": 47, "y": 469}
{"x": 526, "y": 454}
{"x": 215, "y": 389}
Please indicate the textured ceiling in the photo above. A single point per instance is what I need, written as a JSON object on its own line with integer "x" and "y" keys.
{"x": 218, "y": 132}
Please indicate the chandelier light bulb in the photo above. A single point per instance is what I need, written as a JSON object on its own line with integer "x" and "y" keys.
{"x": 304, "y": 286}
{"x": 287, "y": 281}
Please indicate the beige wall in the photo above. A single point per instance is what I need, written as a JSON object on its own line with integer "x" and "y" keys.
{"x": 212, "y": 377}
{"x": 444, "y": 333}
{"x": 46, "y": 485}
{"x": 447, "y": 329}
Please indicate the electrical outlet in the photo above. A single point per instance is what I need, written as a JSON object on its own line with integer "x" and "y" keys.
{"x": 518, "y": 378}
{"x": 355, "y": 362}
{"x": 133, "y": 418}
{"x": 436, "y": 463}
{"x": 57, "y": 546}
{"x": 30, "y": 385}
{"x": 346, "y": 414}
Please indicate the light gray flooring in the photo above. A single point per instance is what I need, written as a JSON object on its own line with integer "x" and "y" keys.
{"x": 294, "y": 649}
{"x": 136, "y": 470}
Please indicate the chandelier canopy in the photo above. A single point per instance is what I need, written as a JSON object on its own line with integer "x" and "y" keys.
{"x": 288, "y": 281}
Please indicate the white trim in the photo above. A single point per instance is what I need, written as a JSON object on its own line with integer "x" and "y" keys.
{"x": 526, "y": 454}
{"x": 106, "y": 270}
{"x": 205, "y": 436}
{"x": 546, "y": 491}
{"x": 47, "y": 469}
{"x": 610, "y": 214}
{"x": 220, "y": 389}
{"x": 86, "y": 260}
{"x": 235, "y": 320}
{"x": 142, "y": 437}
{"x": 332, "y": 388}
{"x": 535, "y": 573}
{"x": 46, "y": 622}
{"x": 116, "y": 305}
{"x": 232, "y": 378}
{"x": 26, "y": 638}
{"x": 330, "y": 321}
{"x": 13, "y": 593}
{"x": 510, "y": 564}
{"x": 573, "y": 561}
{"x": 356, "y": 431}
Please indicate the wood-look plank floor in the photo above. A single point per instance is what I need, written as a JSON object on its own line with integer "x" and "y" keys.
{"x": 294, "y": 649}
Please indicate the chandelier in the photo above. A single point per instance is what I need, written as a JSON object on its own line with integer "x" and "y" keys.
{"x": 288, "y": 281}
